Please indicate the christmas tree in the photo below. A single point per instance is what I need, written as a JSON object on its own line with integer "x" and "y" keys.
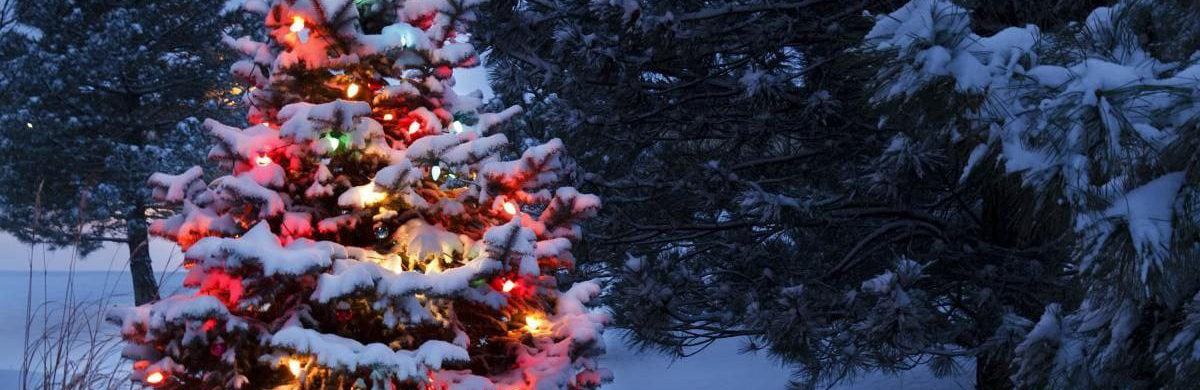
{"x": 371, "y": 232}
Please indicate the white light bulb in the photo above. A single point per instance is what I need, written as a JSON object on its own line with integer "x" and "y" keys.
{"x": 457, "y": 127}
{"x": 436, "y": 171}
{"x": 297, "y": 24}
{"x": 370, "y": 196}
{"x": 155, "y": 378}
{"x": 533, "y": 323}
{"x": 294, "y": 366}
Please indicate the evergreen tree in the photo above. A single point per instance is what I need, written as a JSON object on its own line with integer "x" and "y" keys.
{"x": 374, "y": 230}
{"x": 14, "y": 37}
{"x": 755, "y": 191}
{"x": 1097, "y": 120}
{"x": 99, "y": 94}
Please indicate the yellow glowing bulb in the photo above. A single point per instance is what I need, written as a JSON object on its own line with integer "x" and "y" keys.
{"x": 414, "y": 127}
{"x": 456, "y": 127}
{"x": 155, "y": 378}
{"x": 263, "y": 160}
{"x": 388, "y": 117}
{"x": 236, "y": 90}
{"x": 297, "y": 24}
{"x": 294, "y": 366}
{"x": 351, "y": 90}
{"x": 510, "y": 208}
{"x": 508, "y": 285}
{"x": 370, "y": 196}
{"x": 533, "y": 323}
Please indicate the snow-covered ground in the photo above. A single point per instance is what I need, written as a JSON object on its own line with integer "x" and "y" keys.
{"x": 719, "y": 367}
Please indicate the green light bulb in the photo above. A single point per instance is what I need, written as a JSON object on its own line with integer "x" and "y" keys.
{"x": 333, "y": 142}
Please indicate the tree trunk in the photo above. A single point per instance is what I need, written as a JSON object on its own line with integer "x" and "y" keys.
{"x": 991, "y": 372}
{"x": 145, "y": 288}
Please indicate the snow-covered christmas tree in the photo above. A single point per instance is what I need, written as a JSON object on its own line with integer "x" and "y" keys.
{"x": 370, "y": 233}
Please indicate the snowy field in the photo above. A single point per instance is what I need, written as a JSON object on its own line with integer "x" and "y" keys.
{"x": 718, "y": 368}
